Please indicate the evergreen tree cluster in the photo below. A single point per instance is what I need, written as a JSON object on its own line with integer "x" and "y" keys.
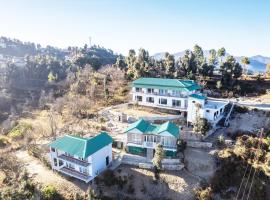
{"x": 192, "y": 65}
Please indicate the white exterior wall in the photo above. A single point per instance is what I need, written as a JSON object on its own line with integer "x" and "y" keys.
{"x": 97, "y": 161}
{"x": 186, "y": 104}
{"x": 156, "y": 96}
{"x": 192, "y": 109}
{"x": 170, "y": 140}
{"x": 206, "y": 111}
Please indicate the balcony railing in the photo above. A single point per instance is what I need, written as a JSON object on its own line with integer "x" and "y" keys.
{"x": 75, "y": 173}
{"x": 161, "y": 94}
{"x": 134, "y": 142}
{"x": 153, "y": 144}
{"x": 74, "y": 160}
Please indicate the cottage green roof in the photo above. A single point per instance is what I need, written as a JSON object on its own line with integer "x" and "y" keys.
{"x": 81, "y": 147}
{"x": 169, "y": 84}
{"x": 198, "y": 96}
{"x": 155, "y": 129}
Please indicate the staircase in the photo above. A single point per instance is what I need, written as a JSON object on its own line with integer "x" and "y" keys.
{"x": 228, "y": 114}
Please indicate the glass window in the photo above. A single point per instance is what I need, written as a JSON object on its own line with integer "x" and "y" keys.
{"x": 176, "y": 103}
{"x": 150, "y": 99}
{"x": 163, "y": 101}
{"x": 138, "y": 98}
{"x": 71, "y": 166}
{"x": 55, "y": 161}
{"x": 150, "y": 90}
{"x": 60, "y": 163}
{"x": 163, "y": 92}
{"x": 175, "y": 93}
{"x": 138, "y": 89}
{"x": 53, "y": 149}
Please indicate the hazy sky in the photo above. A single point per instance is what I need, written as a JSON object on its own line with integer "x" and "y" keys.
{"x": 241, "y": 26}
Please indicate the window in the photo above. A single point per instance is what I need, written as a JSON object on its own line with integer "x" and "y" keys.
{"x": 53, "y": 149}
{"x": 60, "y": 163}
{"x": 138, "y": 89}
{"x": 163, "y": 92}
{"x": 55, "y": 161}
{"x": 107, "y": 160}
{"x": 138, "y": 98}
{"x": 83, "y": 170}
{"x": 150, "y": 99}
{"x": 136, "y": 138}
{"x": 70, "y": 165}
{"x": 193, "y": 101}
{"x": 208, "y": 111}
{"x": 176, "y": 103}
{"x": 176, "y": 93}
{"x": 163, "y": 101}
{"x": 150, "y": 90}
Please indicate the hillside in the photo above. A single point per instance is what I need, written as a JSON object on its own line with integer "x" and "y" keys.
{"x": 257, "y": 63}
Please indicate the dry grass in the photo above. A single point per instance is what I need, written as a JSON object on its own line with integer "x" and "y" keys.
{"x": 2, "y": 177}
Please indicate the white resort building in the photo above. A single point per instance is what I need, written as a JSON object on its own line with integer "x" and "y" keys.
{"x": 82, "y": 158}
{"x": 179, "y": 95}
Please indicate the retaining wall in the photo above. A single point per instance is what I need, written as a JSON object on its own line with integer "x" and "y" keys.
{"x": 197, "y": 144}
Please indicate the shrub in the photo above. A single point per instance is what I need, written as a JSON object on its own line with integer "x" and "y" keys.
{"x": 102, "y": 120}
{"x": 204, "y": 194}
{"x": 143, "y": 189}
{"x": 19, "y": 130}
{"x": 241, "y": 109}
{"x": 3, "y": 142}
{"x": 220, "y": 141}
{"x": 33, "y": 150}
{"x": 130, "y": 189}
{"x": 49, "y": 192}
{"x": 109, "y": 178}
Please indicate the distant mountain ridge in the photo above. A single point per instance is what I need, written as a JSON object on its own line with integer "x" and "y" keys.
{"x": 257, "y": 63}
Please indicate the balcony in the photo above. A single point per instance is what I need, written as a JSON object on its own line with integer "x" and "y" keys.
{"x": 74, "y": 160}
{"x": 76, "y": 174}
{"x": 161, "y": 94}
{"x": 153, "y": 145}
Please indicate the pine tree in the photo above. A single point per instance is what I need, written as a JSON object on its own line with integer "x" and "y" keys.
{"x": 159, "y": 154}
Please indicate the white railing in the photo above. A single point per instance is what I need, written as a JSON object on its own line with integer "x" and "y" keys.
{"x": 161, "y": 94}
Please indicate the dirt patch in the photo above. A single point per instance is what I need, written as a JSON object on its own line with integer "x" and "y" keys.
{"x": 141, "y": 185}
{"x": 45, "y": 176}
{"x": 250, "y": 121}
{"x": 138, "y": 111}
{"x": 200, "y": 162}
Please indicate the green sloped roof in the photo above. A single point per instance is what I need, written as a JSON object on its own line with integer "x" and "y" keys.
{"x": 141, "y": 125}
{"x": 148, "y": 128}
{"x": 81, "y": 147}
{"x": 170, "y": 127}
{"x": 198, "y": 96}
{"x": 170, "y": 84}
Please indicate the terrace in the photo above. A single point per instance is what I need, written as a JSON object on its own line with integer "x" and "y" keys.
{"x": 74, "y": 160}
{"x": 74, "y": 173}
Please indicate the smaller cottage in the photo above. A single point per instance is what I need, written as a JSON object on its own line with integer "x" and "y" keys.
{"x": 142, "y": 138}
{"x": 82, "y": 158}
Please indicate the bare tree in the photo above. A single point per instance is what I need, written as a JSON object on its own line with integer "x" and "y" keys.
{"x": 52, "y": 124}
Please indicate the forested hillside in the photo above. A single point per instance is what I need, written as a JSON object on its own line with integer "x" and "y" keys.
{"x": 46, "y": 70}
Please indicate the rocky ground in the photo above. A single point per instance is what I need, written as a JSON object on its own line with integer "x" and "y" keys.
{"x": 249, "y": 121}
